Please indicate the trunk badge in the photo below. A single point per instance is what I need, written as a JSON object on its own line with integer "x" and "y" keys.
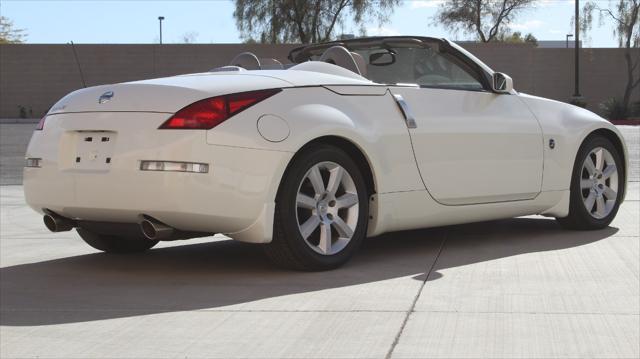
{"x": 105, "y": 97}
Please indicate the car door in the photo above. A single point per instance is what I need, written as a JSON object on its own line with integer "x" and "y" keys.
{"x": 472, "y": 145}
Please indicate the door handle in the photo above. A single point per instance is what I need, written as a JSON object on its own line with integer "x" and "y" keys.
{"x": 409, "y": 119}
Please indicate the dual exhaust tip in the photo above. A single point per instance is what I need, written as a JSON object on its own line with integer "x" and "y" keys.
{"x": 151, "y": 228}
{"x": 56, "y": 223}
{"x": 156, "y": 230}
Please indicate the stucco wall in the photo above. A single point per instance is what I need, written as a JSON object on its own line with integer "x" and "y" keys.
{"x": 35, "y": 76}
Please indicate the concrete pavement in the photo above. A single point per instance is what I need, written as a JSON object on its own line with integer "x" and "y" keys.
{"x": 513, "y": 288}
{"x": 517, "y": 288}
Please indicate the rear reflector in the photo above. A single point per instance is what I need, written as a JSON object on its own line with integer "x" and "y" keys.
{"x": 172, "y": 166}
{"x": 41, "y": 124}
{"x": 209, "y": 113}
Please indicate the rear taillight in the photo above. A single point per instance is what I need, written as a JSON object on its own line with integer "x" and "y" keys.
{"x": 209, "y": 113}
{"x": 41, "y": 124}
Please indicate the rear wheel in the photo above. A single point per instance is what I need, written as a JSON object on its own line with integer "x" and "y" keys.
{"x": 322, "y": 211}
{"x": 597, "y": 185}
{"x": 115, "y": 244}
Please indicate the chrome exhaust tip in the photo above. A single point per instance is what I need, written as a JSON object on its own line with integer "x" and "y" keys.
{"x": 56, "y": 223}
{"x": 155, "y": 230}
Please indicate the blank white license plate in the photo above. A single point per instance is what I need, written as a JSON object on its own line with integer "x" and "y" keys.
{"x": 94, "y": 150}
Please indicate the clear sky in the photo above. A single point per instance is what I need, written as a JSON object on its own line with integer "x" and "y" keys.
{"x": 211, "y": 21}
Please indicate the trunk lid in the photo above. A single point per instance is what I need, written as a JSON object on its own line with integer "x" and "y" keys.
{"x": 163, "y": 95}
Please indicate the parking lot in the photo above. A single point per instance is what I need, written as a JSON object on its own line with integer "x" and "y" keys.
{"x": 516, "y": 288}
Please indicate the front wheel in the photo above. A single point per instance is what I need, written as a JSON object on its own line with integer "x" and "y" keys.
{"x": 597, "y": 185}
{"x": 321, "y": 213}
{"x": 115, "y": 244}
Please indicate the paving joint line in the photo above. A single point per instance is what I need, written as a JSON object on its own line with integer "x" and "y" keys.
{"x": 415, "y": 299}
{"x": 523, "y": 312}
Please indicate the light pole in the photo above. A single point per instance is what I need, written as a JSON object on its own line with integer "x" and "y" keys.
{"x": 160, "y": 18}
{"x": 567, "y": 42}
{"x": 576, "y": 93}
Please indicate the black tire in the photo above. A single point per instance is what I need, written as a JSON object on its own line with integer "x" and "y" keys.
{"x": 288, "y": 248}
{"x": 115, "y": 244}
{"x": 579, "y": 217}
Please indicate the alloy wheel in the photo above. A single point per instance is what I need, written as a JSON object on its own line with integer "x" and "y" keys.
{"x": 327, "y": 208}
{"x": 599, "y": 183}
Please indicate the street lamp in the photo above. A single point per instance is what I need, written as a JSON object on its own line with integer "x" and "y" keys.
{"x": 160, "y": 18}
{"x": 567, "y": 40}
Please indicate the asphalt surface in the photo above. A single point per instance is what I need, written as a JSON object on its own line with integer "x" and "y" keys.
{"x": 516, "y": 288}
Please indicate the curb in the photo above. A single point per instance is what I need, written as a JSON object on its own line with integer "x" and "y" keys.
{"x": 19, "y": 120}
{"x": 628, "y": 122}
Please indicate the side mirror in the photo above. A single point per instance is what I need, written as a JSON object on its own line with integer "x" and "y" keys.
{"x": 502, "y": 83}
{"x": 382, "y": 58}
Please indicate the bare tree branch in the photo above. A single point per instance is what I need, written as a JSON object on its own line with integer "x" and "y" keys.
{"x": 625, "y": 17}
{"x": 341, "y": 6}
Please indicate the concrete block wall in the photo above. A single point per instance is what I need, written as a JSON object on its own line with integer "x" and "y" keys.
{"x": 549, "y": 72}
{"x": 36, "y": 76}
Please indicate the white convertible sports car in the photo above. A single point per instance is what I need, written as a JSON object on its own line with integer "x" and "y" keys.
{"x": 354, "y": 139}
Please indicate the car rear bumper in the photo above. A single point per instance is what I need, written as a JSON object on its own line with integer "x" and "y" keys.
{"x": 236, "y": 194}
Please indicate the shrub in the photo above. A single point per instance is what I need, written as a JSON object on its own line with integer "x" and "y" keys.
{"x": 635, "y": 110}
{"x": 578, "y": 101}
{"x": 23, "y": 111}
{"x": 613, "y": 109}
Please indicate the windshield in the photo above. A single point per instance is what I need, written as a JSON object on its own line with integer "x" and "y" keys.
{"x": 422, "y": 66}
{"x": 402, "y": 61}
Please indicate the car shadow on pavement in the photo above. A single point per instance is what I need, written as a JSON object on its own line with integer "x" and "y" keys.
{"x": 216, "y": 274}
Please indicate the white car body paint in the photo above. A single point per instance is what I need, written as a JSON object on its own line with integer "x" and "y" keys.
{"x": 419, "y": 174}
{"x": 493, "y": 139}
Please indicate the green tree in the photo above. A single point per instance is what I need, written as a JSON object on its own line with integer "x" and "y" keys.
{"x": 9, "y": 34}
{"x": 625, "y": 16}
{"x": 304, "y": 21}
{"x": 486, "y": 19}
{"x": 516, "y": 38}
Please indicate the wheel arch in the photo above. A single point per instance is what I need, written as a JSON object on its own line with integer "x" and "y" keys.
{"x": 351, "y": 148}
